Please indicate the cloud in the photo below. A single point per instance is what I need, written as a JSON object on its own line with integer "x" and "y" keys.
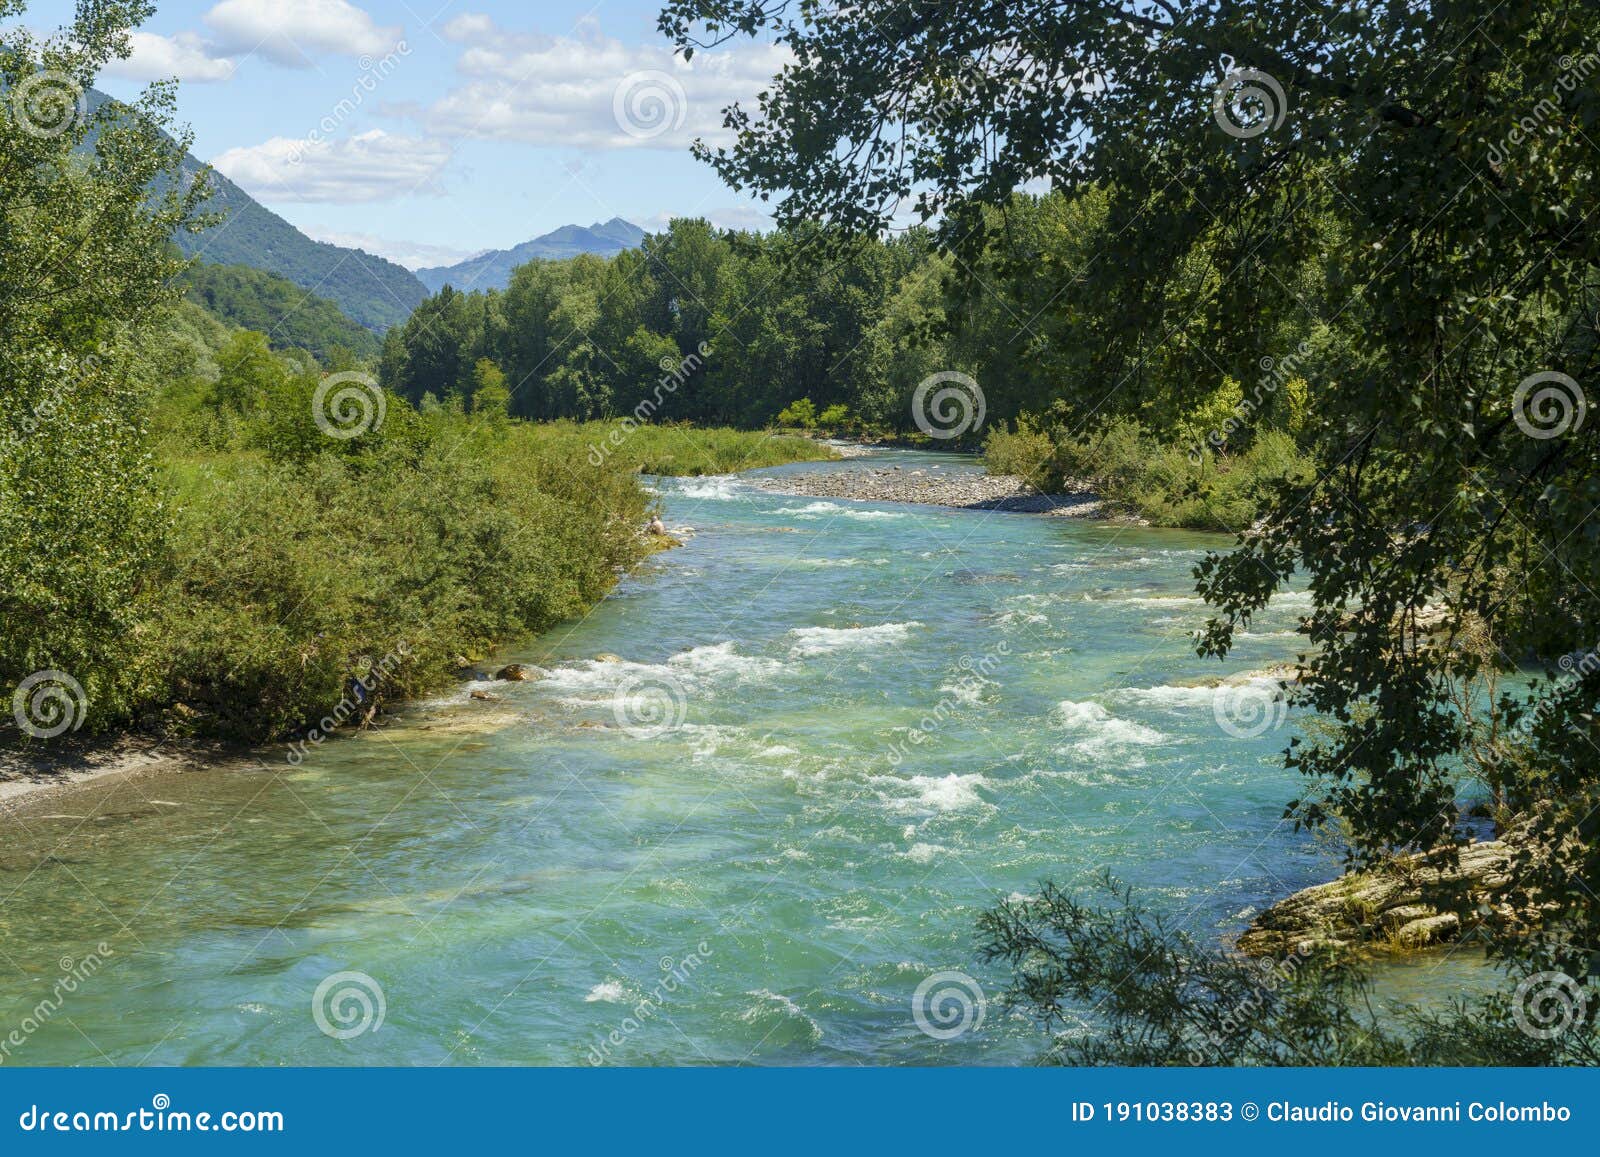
{"x": 590, "y": 91}
{"x": 746, "y": 217}
{"x": 184, "y": 56}
{"x": 288, "y": 31}
{"x": 411, "y": 254}
{"x": 370, "y": 166}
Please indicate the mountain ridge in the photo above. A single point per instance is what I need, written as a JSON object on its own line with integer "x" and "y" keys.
{"x": 492, "y": 269}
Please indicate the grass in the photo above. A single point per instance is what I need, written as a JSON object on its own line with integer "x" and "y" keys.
{"x": 681, "y": 449}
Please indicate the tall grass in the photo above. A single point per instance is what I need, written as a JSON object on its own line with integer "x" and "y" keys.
{"x": 682, "y": 449}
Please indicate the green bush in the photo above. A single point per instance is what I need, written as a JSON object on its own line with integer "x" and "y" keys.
{"x": 1167, "y": 483}
{"x": 800, "y": 414}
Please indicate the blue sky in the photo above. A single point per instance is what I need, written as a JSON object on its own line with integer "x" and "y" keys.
{"x": 428, "y": 132}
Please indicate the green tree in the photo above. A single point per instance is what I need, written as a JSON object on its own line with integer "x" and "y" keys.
{"x": 1383, "y": 150}
{"x": 85, "y": 258}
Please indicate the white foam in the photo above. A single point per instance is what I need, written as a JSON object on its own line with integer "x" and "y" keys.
{"x": 948, "y": 793}
{"x": 610, "y": 991}
{"x": 1102, "y": 730}
{"x": 719, "y": 487}
{"x": 696, "y": 665}
{"x": 769, "y": 1002}
{"x": 823, "y": 640}
{"x": 814, "y": 510}
{"x": 923, "y": 853}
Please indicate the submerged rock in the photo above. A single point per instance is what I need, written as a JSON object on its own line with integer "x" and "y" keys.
{"x": 607, "y": 657}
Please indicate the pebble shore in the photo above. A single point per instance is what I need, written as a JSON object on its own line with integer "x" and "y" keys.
{"x": 934, "y": 487}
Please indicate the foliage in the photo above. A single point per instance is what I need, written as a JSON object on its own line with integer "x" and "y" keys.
{"x": 1116, "y": 985}
{"x": 1404, "y": 225}
{"x": 289, "y": 316}
{"x": 83, "y": 258}
{"x": 800, "y": 413}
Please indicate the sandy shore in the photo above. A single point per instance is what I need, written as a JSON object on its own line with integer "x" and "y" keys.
{"x": 55, "y": 767}
{"x": 932, "y": 486}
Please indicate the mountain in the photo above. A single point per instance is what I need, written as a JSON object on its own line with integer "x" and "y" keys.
{"x": 492, "y": 270}
{"x": 375, "y": 292}
{"x": 290, "y": 317}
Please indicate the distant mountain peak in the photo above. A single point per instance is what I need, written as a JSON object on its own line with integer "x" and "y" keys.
{"x": 492, "y": 269}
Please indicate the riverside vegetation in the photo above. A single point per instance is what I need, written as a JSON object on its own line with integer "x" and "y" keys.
{"x": 1368, "y": 366}
{"x": 180, "y": 534}
{"x": 1331, "y": 224}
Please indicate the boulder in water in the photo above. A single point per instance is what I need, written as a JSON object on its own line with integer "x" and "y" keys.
{"x": 517, "y": 673}
{"x": 607, "y": 657}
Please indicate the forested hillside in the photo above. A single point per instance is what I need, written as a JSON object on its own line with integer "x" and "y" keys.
{"x": 290, "y": 317}
{"x": 370, "y": 290}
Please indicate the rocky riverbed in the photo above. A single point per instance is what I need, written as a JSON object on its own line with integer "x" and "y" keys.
{"x": 933, "y": 486}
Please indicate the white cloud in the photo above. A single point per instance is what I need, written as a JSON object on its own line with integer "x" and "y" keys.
{"x": 590, "y": 91}
{"x": 746, "y": 217}
{"x": 411, "y": 254}
{"x": 370, "y": 166}
{"x": 184, "y": 56}
{"x": 288, "y": 31}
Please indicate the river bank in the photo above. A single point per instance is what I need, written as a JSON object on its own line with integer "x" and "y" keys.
{"x": 816, "y": 740}
{"x": 932, "y": 485}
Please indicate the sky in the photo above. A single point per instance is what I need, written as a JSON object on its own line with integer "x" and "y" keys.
{"x": 429, "y": 130}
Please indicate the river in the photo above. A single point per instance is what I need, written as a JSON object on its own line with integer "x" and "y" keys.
{"x": 836, "y": 734}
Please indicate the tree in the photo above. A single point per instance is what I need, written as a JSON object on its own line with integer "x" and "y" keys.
{"x": 1433, "y": 162}
{"x": 85, "y": 257}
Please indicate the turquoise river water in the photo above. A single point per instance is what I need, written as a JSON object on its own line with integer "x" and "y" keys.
{"x": 838, "y": 731}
